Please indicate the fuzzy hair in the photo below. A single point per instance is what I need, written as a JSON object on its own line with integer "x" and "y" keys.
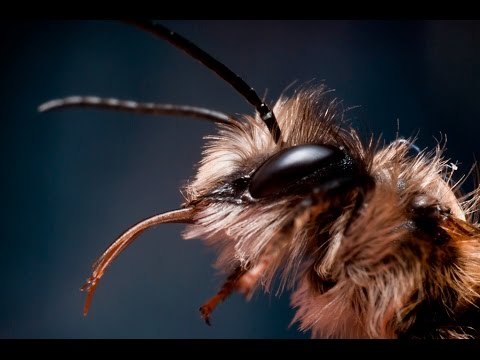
{"x": 381, "y": 269}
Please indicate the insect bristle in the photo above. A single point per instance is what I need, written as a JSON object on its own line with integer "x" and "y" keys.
{"x": 374, "y": 240}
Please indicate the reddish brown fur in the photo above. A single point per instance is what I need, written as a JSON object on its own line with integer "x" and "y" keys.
{"x": 396, "y": 253}
{"x": 381, "y": 270}
{"x": 397, "y": 258}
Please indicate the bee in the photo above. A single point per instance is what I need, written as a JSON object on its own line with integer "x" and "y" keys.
{"x": 375, "y": 241}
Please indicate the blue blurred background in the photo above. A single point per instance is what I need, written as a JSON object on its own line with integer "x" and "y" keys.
{"x": 75, "y": 179}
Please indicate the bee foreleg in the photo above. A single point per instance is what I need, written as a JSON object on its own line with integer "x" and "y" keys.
{"x": 227, "y": 288}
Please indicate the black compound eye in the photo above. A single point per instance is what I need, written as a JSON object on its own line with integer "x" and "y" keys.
{"x": 290, "y": 166}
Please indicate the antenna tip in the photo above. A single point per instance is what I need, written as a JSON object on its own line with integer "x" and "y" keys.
{"x": 50, "y": 105}
{"x": 68, "y": 101}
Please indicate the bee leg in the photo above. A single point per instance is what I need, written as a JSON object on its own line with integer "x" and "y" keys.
{"x": 244, "y": 280}
{"x": 241, "y": 279}
{"x": 305, "y": 212}
{"x": 247, "y": 282}
{"x": 227, "y": 288}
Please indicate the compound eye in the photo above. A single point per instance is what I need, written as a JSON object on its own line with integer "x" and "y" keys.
{"x": 289, "y": 166}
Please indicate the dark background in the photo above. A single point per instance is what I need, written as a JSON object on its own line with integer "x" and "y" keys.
{"x": 73, "y": 180}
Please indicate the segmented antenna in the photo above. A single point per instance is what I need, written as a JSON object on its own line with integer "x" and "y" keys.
{"x": 217, "y": 67}
{"x": 136, "y": 107}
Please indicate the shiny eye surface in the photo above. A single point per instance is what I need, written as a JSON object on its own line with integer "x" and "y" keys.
{"x": 292, "y": 165}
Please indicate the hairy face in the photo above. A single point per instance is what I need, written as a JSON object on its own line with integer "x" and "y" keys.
{"x": 381, "y": 248}
{"x": 375, "y": 241}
